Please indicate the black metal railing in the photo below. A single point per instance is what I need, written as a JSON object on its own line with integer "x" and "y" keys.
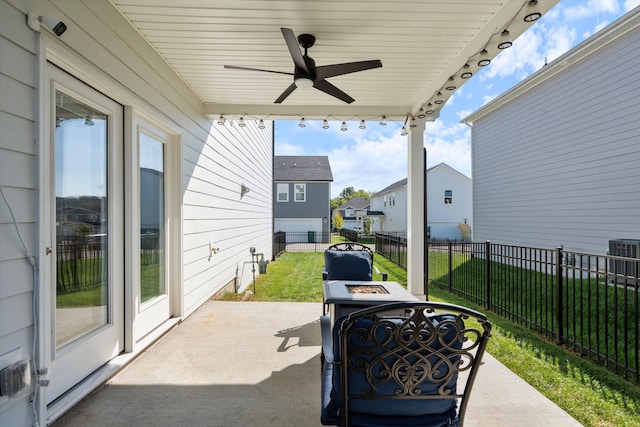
{"x": 586, "y": 302}
{"x": 80, "y": 262}
{"x": 309, "y": 241}
{"x": 393, "y": 246}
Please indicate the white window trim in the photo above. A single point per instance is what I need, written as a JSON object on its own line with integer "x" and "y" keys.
{"x": 295, "y": 192}
{"x": 278, "y": 192}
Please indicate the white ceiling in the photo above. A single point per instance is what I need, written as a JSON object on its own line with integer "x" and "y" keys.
{"x": 421, "y": 43}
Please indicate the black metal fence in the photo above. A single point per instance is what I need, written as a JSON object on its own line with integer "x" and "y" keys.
{"x": 312, "y": 241}
{"x": 393, "y": 246}
{"x": 80, "y": 262}
{"x": 586, "y": 302}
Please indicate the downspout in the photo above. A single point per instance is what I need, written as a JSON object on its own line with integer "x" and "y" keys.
{"x": 273, "y": 174}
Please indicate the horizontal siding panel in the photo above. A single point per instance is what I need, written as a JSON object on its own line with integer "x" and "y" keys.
{"x": 17, "y": 97}
{"x": 17, "y": 133}
{"x": 20, "y": 67}
{"x": 14, "y": 276}
{"x": 13, "y": 311}
{"x": 11, "y": 247}
{"x": 18, "y": 169}
{"x": 558, "y": 165}
{"x": 23, "y": 204}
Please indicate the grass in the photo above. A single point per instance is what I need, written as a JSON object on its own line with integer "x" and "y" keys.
{"x": 592, "y": 395}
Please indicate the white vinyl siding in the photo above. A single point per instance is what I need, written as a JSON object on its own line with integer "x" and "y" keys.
{"x": 101, "y": 49}
{"x": 557, "y": 164}
{"x": 18, "y": 172}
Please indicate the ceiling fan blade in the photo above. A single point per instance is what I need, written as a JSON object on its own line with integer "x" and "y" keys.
{"x": 294, "y": 49}
{"x": 326, "y": 71}
{"x": 286, "y": 93}
{"x": 330, "y": 89}
{"x": 233, "y": 67}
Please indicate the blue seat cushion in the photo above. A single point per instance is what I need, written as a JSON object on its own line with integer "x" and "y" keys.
{"x": 372, "y": 412}
{"x": 347, "y": 265}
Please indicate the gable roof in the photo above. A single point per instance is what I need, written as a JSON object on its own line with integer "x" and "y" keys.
{"x": 403, "y": 182}
{"x": 302, "y": 168}
{"x": 356, "y": 203}
{"x": 397, "y": 184}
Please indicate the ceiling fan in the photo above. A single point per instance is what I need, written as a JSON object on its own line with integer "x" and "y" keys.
{"x": 306, "y": 74}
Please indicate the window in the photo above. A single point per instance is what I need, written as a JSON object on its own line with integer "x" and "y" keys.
{"x": 300, "y": 192}
{"x": 349, "y": 212}
{"x": 283, "y": 192}
{"x": 448, "y": 197}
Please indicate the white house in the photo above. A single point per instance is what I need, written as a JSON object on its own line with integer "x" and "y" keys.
{"x": 137, "y": 170}
{"x": 555, "y": 159}
{"x": 449, "y": 203}
{"x": 389, "y": 208}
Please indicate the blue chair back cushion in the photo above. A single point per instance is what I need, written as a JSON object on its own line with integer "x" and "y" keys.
{"x": 347, "y": 265}
{"x": 375, "y": 412}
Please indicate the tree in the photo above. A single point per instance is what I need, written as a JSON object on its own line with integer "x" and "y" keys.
{"x": 347, "y": 193}
{"x": 338, "y": 221}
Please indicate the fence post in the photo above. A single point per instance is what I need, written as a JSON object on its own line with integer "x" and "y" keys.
{"x": 559, "y": 295}
{"x": 487, "y": 274}
{"x": 450, "y": 265}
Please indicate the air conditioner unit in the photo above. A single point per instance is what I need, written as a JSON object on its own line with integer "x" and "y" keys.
{"x": 628, "y": 248}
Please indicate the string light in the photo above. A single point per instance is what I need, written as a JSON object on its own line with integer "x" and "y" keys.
{"x": 325, "y": 124}
{"x": 261, "y": 124}
{"x": 383, "y": 121}
{"x": 302, "y": 124}
{"x": 241, "y": 122}
{"x": 221, "y": 120}
{"x": 344, "y": 126}
{"x": 362, "y": 124}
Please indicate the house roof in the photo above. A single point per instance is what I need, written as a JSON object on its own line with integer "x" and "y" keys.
{"x": 403, "y": 182}
{"x": 356, "y": 203}
{"x": 397, "y": 184}
{"x": 302, "y": 168}
{"x": 421, "y": 44}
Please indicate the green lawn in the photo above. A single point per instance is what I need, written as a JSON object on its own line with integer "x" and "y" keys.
{"x": 592, "y": 395}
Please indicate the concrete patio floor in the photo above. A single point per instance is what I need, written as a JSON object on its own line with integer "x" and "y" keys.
{"x": 257, "y": 364}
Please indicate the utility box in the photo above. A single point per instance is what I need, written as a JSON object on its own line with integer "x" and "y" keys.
{"x": 311, "y": 236}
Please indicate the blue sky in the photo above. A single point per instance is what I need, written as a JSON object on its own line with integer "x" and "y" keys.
{"x": 382, "y": 150}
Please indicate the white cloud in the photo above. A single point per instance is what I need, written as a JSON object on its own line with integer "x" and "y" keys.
{"x": 630, "y": 4}
{"x": 370, "y": 163}
{"x": 287, "y": 149}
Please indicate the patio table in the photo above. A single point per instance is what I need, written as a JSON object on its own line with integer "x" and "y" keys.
{"x": 346, "y": 296}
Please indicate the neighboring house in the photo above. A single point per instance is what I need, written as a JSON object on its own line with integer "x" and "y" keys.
{"x": 302, "y": 196}
{"x": 353, "y": 213}
{"x": 449, "y": 203}
{"x": 555, "y": 159}
{"x": 389, "y": 208}
{"x": 119, "y": 184}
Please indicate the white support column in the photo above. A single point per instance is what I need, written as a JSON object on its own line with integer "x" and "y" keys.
{"x": 415, "y": 210}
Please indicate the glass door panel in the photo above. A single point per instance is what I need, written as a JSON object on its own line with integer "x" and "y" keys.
{"x": 82, "y": 222}
{"x": 152, "y": 218}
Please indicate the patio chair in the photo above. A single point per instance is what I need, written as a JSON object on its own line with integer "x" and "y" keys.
{"x": 381, "y": 368}
{"x": 349, "y": 261}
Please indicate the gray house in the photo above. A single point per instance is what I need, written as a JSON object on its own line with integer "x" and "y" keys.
{"x": 302, "y": 193}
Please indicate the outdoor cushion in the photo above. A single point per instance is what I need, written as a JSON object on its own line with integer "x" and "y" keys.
{"x": 347, "y": 265}
{"x": 372, "y": 412}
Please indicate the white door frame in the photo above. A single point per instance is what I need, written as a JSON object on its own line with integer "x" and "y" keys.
{"x": 73, "y": 362}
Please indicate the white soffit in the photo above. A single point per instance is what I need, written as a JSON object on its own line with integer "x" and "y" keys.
{"x": 421, "y": 44}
